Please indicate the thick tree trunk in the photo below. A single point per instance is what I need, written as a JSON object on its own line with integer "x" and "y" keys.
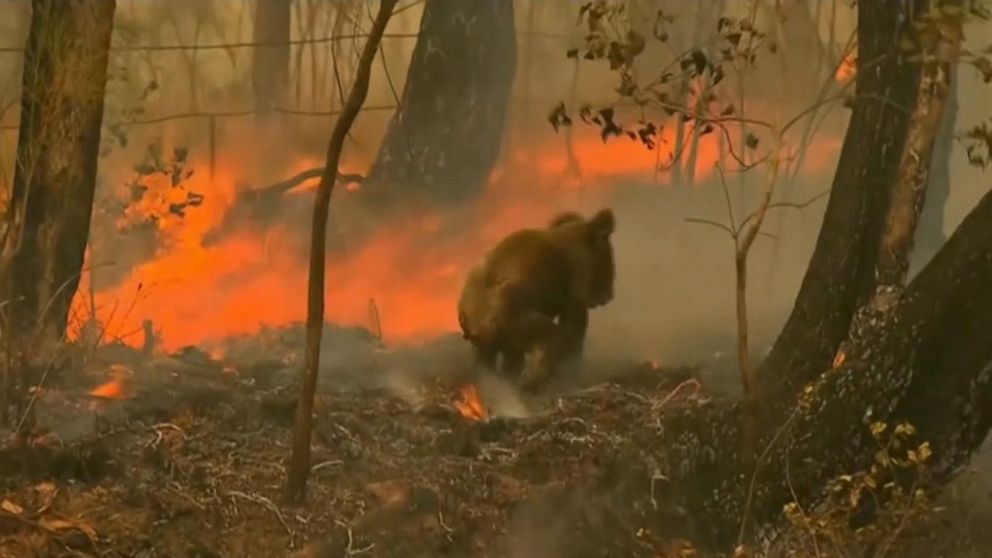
{"x": 840, "y": 275}
{"x": 65, "y": 69}
{"x": 270, "y": 64}
{"x": 445, "y": 138}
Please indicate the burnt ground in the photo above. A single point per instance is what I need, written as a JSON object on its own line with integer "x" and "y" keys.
{"x": 189, "y": 462}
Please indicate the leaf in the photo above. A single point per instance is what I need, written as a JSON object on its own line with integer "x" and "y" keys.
{"x": 718, "y": 74}
{"x": 178, "y": 209}
{"x": 11, "y": 508}
{"x": 984, "y": 66}
{"x": 877, "y": 428}
{"x": 559, "y": 117}
{"x": 882, "y": 458}
{"x": 179, "y": 154}
{"x": 572, "y": 53}
{"x": 144, "y": 169}
{"x": 905, "y": 429}
{"x": 194, "y": 199}
{"x": 56, "y": 525}
{"x": 751, "y": 141}
{"x": 610, "y": 128}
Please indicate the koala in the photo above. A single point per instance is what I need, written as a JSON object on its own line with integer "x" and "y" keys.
{"x": 533, "y": 292}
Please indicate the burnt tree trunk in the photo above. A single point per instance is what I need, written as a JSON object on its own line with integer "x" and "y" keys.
{"x": 270, "y": 63}
{"x": 65, "y": 69}
{"x": 930, "y": 235}
{"x": 445, "y": 138}
{"x": 840, "y": 275}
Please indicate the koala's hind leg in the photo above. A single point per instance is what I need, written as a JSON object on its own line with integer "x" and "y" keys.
{"x": 571, "y": 333}
{"x": 485, "y": 355}
{"x": 559, "y": 348}
{"x": 513, "y": 363}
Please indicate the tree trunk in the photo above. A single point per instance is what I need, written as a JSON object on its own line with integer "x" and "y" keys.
{"x": 840, "y": 275}
{"x": 445, "y": 138}
{"x": 299, "y": 464}
{"x": 65, "y": 69}
{"x": 930, "y": 236}
{"x": 926, "y": 361}
{"x": 270, "y": 64}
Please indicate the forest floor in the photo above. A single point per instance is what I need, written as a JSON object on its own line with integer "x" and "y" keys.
{"x": 184, "y": 457}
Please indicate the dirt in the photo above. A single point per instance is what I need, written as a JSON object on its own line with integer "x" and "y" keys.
{"x": 189, "y": 462}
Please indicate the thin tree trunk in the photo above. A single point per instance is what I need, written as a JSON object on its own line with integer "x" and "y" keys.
{"x": 299, "y": 464}
{"x": 441, "y": 147}
{"x": 909, "y": 190}
{"x": 63, "y": 84}
{"x": 270, "y": 64}
{"x": 930, "y": 235}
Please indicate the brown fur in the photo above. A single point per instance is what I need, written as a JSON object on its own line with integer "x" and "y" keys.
{"x": 534, "y": 289}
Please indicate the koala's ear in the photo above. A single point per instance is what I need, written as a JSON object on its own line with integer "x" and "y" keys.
{"x": 603, "y": 223}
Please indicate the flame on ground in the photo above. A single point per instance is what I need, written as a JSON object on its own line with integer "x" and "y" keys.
{"x": 469, "y": 404}
{"x": 115, "y": 388}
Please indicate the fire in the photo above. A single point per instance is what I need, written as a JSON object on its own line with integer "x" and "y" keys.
{"x": 197, "y": 293}
{"x": 470, "y": 404}
{"x": 847, "y": 68}
{"x": 115, "y": 388}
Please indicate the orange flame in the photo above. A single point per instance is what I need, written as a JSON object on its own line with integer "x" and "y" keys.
{"x": 470, "y": 404}
{"x": 847, "y": 69}
{"x": 115, "y": 388}
{"x": 199, "y": 294}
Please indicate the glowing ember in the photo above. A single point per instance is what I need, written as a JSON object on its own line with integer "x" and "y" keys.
{"x": 115, "y": 388}
{"x": 847, "y": 68}
{"x": 839, "y": 359}
{"x": 470, "y": 405}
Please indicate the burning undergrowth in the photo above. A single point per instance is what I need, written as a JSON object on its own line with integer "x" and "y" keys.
{"x": 183, "y": 455}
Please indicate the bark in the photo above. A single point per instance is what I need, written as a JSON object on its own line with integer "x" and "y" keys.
{"x": 270, "y": 64}
{"x": 909, "y": 189}
{"x": 840, "y": 275}
{"x": 63, "y": 84}
{"x": 299, "y": 465}
{"x": 930, "y": 235}
{"x": 442, "y": 143}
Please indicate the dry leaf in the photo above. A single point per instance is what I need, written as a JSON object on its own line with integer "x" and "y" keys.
{"x": 11, "y": 508}
{"x": 56, "y": 525}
